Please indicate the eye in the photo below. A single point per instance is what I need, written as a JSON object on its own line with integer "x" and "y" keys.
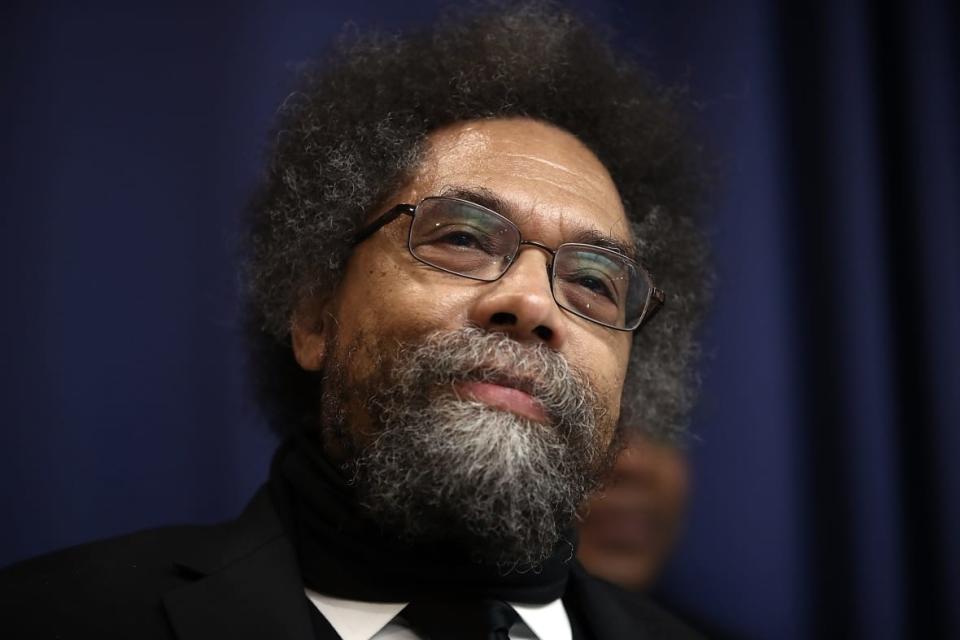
{"x": 465, "y": 239}
{"x": 591, "y": 276}
{"x": 460, "y": 238}
{"x": 595, "y": 285}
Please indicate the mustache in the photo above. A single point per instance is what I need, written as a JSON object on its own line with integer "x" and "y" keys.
{"x": 471, "y": 354}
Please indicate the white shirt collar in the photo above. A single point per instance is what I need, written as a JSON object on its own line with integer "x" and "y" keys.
{"x": 547, "y": 621}
{"x": 357, "y": 620}
{"x": 353, "y": 619}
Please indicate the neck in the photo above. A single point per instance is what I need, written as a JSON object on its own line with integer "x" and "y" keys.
{"x": 344, "y": 554}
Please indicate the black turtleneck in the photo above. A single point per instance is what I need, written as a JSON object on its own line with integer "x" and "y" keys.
{"x": 343, "y": 554}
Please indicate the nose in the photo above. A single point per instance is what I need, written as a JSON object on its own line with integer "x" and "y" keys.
{"x": 520, "y": 304}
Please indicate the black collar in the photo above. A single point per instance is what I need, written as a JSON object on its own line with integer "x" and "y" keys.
{"x": 246, "y": 584}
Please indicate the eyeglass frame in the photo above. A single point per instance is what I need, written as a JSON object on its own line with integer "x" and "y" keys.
{"x": 656, "y": 297}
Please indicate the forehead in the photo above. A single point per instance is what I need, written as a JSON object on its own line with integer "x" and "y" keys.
{"x": 550, "y": 182}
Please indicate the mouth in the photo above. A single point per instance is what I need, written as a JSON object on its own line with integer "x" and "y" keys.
{"x": 513, "y": 396}
{"x": 626, "y": 530}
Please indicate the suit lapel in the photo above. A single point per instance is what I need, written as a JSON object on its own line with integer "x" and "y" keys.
{"x": 601, "y": 611}
{"x": 594, "y": 615}
{"x": 246, "y": 585}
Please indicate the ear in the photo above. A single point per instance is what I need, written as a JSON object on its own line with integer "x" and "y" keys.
{"x": 308, "y": 330}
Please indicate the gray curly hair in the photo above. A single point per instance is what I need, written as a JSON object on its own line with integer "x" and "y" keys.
{"x": 355, "y": 129}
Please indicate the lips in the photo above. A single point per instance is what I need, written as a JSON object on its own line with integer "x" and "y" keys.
{"x": 625, "y": 529}
{"x": 508, "y": 396}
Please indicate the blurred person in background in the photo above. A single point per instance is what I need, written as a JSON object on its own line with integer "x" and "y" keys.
{"x": 630, "y": 526}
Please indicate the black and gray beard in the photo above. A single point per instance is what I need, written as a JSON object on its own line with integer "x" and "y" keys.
{"x": 446, "y": 468}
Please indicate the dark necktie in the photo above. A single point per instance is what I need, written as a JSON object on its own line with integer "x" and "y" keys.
{"x": 461, "y": 620}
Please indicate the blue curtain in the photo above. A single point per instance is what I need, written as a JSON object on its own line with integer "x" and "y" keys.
{"x": 827, "y": 497}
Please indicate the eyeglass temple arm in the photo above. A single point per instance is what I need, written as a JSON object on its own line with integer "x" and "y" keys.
{"x": 657, "y": 299}
{"x": 383, "y": 221}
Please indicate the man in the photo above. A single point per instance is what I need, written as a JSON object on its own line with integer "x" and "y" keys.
{"x": 451, "y": 262}
{"x": 627, "y": 531}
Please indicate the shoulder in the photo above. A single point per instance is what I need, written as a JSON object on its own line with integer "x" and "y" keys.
{"x": 612, "y": 612}
{"x": 71, "y": 592}
{"x": 115, "y": 584}
{"x": 126, "y": 560}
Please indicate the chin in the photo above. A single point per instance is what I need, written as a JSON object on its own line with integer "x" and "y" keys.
{"x": 501, "y": 485}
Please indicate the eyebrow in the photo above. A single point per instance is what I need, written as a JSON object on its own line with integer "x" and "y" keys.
{"x": 583, "y": 235}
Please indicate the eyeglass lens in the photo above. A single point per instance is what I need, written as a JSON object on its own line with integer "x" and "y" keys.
{"x": 469, "y": 240}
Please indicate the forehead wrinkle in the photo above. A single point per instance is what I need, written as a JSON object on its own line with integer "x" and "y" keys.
{"x": 577, "y": 196}
{"x": 528, "y": 157}
{"x": 596, "y": 180}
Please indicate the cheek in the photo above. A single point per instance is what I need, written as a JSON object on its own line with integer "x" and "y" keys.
{"x": 605, "y": 361}
{"x": 620, "y": 358}
{"x": 358, "y": 313}
{"x": 679, "y": 480}
{"x": 385, "y": 299}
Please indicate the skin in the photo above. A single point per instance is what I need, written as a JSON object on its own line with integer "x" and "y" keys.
{"x": 555, "y": 189}
{"x": 629, "y": 528}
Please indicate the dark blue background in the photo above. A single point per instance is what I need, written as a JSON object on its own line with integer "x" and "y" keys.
{"x": 827, "y": 497}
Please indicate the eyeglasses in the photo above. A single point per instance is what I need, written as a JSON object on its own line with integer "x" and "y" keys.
{"x": 469, "y": 240}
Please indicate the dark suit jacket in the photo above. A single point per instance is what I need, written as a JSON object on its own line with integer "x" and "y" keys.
{"x": 236, "y": 581}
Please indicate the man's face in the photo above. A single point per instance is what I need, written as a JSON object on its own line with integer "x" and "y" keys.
{"x": 629, "y": 529}
{"x": 388, "y": 303}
